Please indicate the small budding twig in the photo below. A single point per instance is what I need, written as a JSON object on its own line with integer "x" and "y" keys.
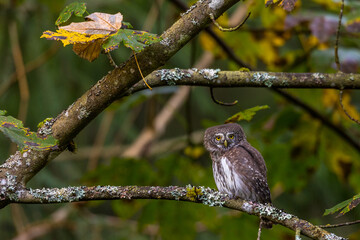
{"x": 339, "y": 224}
{"x": 228, "y": 29}
{"x": 343, "y": 108}
{"x": 111, "y": 60}
{"x": 297, "y": 234}
{"x": 259, "y": 232}
{"x": 337, "y": 61}
{"x": 137, "y": 63}
{"x": 219, "y": 102}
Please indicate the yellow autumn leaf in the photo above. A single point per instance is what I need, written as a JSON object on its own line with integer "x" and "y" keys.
{"x": 67, "y": 37}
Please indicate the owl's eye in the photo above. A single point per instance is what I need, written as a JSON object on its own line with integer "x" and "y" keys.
{"x": 231, "y": 136}
{"x": 218, "y": 138}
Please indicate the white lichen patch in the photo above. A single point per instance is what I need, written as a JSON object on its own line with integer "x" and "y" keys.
{"x": 165, "y": 42}
{"x": 195, "y": 22}
{"x": 83, "y": 113}
{"x": 247, "y": 207}
{"x": 69, "y": 194}
{"x": 318, "y": 76}
{"x": 216, "y": 4}
{"x": 332, "y": 236}
{"x": 264, "y": 77}
{"x": 211, "y": 197}
{"x": 268, "y": 210}
{"x": 172, "y": 75}
{"x": 191, "y": 8}
{"x": 210, "y": 74}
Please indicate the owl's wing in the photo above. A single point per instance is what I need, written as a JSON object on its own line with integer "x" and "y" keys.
{"x": 250, "y": 167}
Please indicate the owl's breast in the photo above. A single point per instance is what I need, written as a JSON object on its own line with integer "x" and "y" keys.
{"x": 228, "y": 180}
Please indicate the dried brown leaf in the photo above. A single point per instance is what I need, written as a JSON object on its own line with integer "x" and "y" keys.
{"x": 100, "y": 23}
{"x": 89, "y": 51}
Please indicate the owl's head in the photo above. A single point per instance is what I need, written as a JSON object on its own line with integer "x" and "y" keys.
{"x": 223, "y": 137}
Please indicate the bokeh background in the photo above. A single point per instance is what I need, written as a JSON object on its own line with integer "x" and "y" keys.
{"x": 311, "y": 167}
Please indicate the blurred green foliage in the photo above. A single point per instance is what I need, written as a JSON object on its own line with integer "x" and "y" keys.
{"x": 310, "y": 168}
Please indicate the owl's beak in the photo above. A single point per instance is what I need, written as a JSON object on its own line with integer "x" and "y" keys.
{"x": 225, "y": 143}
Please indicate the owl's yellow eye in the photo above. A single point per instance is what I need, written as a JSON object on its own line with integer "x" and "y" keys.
{"x": 218, "y": 138}
{"x": 231, "y": 136}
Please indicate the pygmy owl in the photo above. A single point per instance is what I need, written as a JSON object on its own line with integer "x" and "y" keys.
{"x": 239, "y": 169}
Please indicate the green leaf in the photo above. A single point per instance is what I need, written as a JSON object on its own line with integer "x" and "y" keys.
{"x": 136, "y": 40}
{"x": 126, "y": 25}
{"x": 344, "y": 206}
{"x": 247, "y": 114}
{"x": 23, "y": 137}
{"x": 77, "y": 8}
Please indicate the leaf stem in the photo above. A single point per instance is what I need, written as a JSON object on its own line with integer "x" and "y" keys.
{"x": 137, "y": 63}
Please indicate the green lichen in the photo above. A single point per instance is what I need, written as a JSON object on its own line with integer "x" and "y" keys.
{"x": 244, "y": 69}
{"x": 193, "y": 192}
{"x": 44, "y": 122}
{"x": 45, "y": 126}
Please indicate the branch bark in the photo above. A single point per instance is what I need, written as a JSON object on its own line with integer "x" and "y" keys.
{"x": 193, "y": 194}
{"x": 224, "y": 79}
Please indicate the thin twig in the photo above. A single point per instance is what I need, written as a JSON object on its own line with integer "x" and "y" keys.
{"x": 339, "y": 224}
{"x": 228, "y": 29}
{"x": 111, "y": 60}
{"x": 137, "y": 63}
{"x": 297, "y": 234}
{"x": 337, "y": 61}
{"x": 343, "y": 108}
{"x": 219, "y": 102}
{"x": 259, "y": 231}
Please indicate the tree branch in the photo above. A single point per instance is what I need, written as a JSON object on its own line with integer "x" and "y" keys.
{"x": 223, "y": 79}
{"x": 22, "y": 166}
{"x": 200, "y": 194}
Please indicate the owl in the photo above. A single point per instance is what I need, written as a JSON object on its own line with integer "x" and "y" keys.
{"x": 239, "y": 169}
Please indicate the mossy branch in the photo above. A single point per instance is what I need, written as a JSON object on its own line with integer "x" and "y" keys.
{"x": 189, "y": 193}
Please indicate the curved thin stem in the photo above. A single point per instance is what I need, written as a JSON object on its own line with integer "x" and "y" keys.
{"x": 228, "y": 29}
{"x": 337, "y": 61}
{"x": 219, "y": 102}
{"x": 137, "y": 63}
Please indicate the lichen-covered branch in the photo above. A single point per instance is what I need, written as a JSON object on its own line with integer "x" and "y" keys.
{"x": 200, "y": 194}
{"x": 223, "y": 79}
{"x": 22, "y": 166}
